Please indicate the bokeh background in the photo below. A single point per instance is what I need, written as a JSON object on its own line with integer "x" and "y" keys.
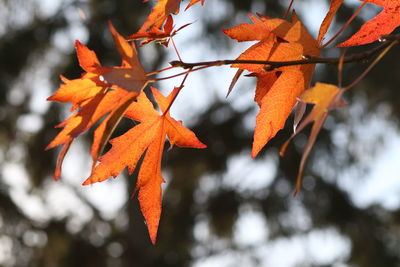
{"x": 220, "y": 207}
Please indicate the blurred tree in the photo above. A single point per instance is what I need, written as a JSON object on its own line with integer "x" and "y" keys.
{"x": 202, "y": 212}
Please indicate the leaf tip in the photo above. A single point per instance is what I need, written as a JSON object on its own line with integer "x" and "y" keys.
{"x": 57, "y": 174}
{"x": 202, "y": 145}
{"x": 87, "y": 182}
{"x": 295, "y": 192}
{"x": 78, "y": 43}
{"x": 254, "y": 152}
{"x": 153, "y": 238}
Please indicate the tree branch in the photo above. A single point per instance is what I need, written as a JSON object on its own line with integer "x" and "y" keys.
{"x": 387, "y": 41}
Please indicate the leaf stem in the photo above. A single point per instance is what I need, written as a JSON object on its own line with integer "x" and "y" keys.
{"x": 180, "y": 74}
{"x": 158, "y": 71}
{"x": 340, "y": 67}
{"x": 176, "y": 95}
{"x": 176, "y": 50}
{"x": 288, "y": 10}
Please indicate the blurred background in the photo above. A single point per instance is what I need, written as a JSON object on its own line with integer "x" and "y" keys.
{"x": 220, "y": 207}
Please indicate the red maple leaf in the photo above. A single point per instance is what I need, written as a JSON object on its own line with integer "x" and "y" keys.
{"x": 384, "y": 23}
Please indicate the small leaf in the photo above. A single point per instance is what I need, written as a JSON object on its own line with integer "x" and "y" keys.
{"x": 325, "y": 97}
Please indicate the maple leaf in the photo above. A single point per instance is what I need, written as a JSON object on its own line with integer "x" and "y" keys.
{"x": 277, "y": 90}
{"x": 334, "y": 7}
{"x": 131, "y": 75}
{"x": 155, "y": 34}
{"x": 256, "y": 31}
{"x": 194, "y": 2}
{"x": 89, "y": 113}
{"x": 91, "y": 95}
{"x": 383, "y": 23}
{"x": 325, "y": 97}
{"x": 146, "y": 138}
{"x": 160, "y": 13}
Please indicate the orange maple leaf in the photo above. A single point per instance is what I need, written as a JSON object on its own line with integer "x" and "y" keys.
{"x": 155, "y": 34}
{"x": 384, "y": 23}
{"x": 277, "y": 90}
{"x": 325, "y": 97}
{"x": 160, "y": 13}
{"x": 334, "y": 7}
{"x": 91, "y": 95}
{"x": 147, "y": 138}
{"x": 194, "y": 2}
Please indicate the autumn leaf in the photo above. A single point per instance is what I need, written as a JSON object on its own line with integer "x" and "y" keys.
{"x": 155, "y": 34}
{"x": 78, "y": 90}
{"x": 277, "y": 90}
{"x": 87, "y": 59}
{"x": 91, "y": 96}
{"x": 325, "y": 97}
{"x": 131, "y": 75}
{"x": 383, "y": 23}
{"x": 334, "y": 7}
{"x": 194, "y": 2}
{"x": 147, "y": 138}
{"x": 160, "y": 13}
{"x": 256, "y": 31}
{"x": 90, "y": 112}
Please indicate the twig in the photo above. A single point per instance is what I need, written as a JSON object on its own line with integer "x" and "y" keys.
{"x": 180, "y": 74}
{"x": 388, "y": 40}
{"x": 288, "y": 10}
{"x": 176, "y": 49}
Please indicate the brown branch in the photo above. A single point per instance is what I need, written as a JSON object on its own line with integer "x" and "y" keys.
{"x": 387, "y": 41}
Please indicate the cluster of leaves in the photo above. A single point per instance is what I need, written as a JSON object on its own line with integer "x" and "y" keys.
{"x": 112, "y": 93}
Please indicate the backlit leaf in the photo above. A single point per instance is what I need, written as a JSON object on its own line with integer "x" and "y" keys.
{"x": 277, "y": 90}
{"x": 325, "y": 97}
{"x": 384, "y": 23}
{"x": 147, "y": 138}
